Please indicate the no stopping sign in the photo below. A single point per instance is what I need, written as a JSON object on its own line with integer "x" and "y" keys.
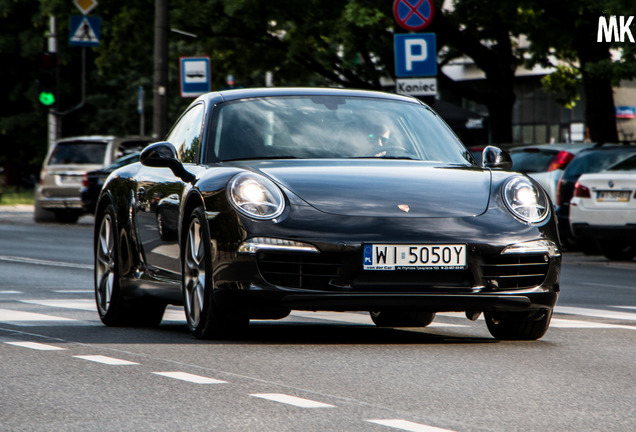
{"x": 413, "y": 15}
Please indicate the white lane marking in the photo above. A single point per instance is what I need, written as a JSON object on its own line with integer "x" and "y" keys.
{"x": 70, "y": 291}
{"x": 81, "y": 304}
{"x": 567, "y": 323}
{"x": 354, "y": 318}
{"x": 36, "y": 346}
{"x": 106, "y": 360}
{"x": 11, "y": 292}
{"x": 292, "y": 400}
{"x": 174, "y": 315}
{"x": 25, "y": 260}
{"x": 408, "y": 426}
{"x": 335, "y": 316}
{"x": 184, "y": 376}
{"x": 575, "y": 324}
{"x": 19, "y": 318}
{"x": 597, "y": 284}
{"x": 597, "y": 313}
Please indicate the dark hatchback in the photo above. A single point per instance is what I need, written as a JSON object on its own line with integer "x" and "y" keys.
{"x": 589, "y": 160}
{"x": 264, "y": 201}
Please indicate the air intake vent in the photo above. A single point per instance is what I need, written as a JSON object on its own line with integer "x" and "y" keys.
{"x": 298, "y": 270}
{"x": 514, "y": 271}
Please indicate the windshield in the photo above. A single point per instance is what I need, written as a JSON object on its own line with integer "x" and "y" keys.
{"x": 595, "y": 161}
{"x": 332, "y": 127}
{"x": 532, "y": 160}
{"x": 79, "y": 152}
{"x": 626, "y": 165}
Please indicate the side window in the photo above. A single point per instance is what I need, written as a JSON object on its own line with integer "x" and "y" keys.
{"x": 190, "y": 149}
{"x": 186, "y": 134}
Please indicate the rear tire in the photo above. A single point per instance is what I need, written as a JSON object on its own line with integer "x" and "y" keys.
{"x": 113, "y": 309}
{"x": 518, "y": 325}
{"x": 401, "y": 318}
{"x": 41, "y": 215}
{"x": 205, "y": 319}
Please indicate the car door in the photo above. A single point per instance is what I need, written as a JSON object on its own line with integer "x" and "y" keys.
{"x": 159, "y": 195}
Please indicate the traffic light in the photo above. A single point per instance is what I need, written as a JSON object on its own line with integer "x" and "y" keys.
{"x": 47, "y": 79}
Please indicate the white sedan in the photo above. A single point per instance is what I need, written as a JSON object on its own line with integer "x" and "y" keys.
{"x": 603, "y": 210}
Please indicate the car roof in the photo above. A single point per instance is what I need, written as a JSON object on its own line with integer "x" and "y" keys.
{"x": 611, "y": 147}
{"x": 571, "y": 147}
{"x": 104, "y": 138}
{"x": 235, "y": 94}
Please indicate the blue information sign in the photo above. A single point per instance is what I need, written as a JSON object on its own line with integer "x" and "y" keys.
{"x": 415, "y": 55}
{"x": 85, "y": 31}
{"x": 195, "y": 76}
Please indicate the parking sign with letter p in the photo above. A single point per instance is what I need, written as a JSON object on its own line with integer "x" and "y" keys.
{"x": 415, "y": 55}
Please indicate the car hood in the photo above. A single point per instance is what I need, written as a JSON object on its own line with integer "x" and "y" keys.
{"x": 383, "y": 187}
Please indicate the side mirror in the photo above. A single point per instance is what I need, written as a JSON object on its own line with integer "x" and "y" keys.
{"x": 164, "y": 155}
{"x": 494, "y": 157}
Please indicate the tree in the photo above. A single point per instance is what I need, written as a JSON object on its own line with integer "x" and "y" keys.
{"x": 483, "y": 30}
{"x": 22, "y": 117}
{"x": 567, "y": 32}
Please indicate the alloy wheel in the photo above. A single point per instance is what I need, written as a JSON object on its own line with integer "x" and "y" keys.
{"x": 194, "y": 274}
{"x": 105, "y": 264}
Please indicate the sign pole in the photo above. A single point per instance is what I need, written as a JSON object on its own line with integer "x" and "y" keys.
{"x": 53, "y": 119}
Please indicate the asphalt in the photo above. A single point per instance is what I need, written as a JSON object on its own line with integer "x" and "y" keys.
{"x": 23, "y": 214}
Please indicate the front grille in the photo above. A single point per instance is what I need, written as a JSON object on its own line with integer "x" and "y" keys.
{"x": 514, "y": 271}
{"x": 298, "y": 270}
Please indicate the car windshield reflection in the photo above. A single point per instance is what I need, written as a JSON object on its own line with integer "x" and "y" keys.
{"x": 331, "y": 127}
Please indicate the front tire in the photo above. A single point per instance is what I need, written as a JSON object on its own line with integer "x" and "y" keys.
{"x": 205, "y": 319}
{"x": 113, "y": 309}
{"x": 518, "y": 325}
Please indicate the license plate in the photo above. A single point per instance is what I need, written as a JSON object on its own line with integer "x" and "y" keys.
{"x": 613, "y": 196}
{"x": 70, "y": 179}
{"x": 414, "y": 257}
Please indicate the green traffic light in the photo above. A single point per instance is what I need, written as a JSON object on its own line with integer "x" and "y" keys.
{"x": 47, "y": 98}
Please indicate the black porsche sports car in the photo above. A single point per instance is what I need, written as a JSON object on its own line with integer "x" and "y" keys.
{"x": 263, "y": 201}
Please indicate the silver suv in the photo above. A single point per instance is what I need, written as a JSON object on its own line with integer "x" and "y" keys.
{"x": 57, "y": 194}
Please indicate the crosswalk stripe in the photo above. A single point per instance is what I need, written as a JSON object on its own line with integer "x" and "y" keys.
{"x": 596, "y": 313}
{"x": 20, "y": 318}
{"x": 176, "y": 315}
{"x": 354, "y": 318}
{"x": 81, "y": 304}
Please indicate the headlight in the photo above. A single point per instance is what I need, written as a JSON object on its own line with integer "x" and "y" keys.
{"x": 525, "y": 200}
{"x": 256, "y": 196}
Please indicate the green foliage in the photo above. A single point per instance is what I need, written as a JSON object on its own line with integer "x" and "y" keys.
{"x": 345, "y": 43}
{"x": 564, "y": 83}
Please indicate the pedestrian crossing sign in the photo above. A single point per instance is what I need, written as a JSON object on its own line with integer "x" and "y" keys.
{"x": 85, "y": 31}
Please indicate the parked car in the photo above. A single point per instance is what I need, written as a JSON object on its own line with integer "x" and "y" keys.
{"x": 603, "y": 210}
{"x": 93, "y": 181}
{"x": 589, "y": 160}
{"x": 545, "y": 163}
{"x": 322, "y": 199}
{"x": 57, "y": 194}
